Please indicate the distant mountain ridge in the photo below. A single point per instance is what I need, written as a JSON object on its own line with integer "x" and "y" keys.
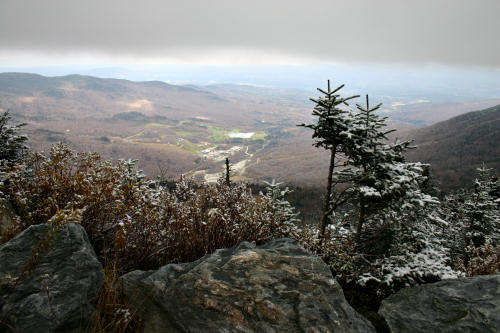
{"x": 28, "y": 83}
{"x": 79, "y": 96}
{"x": 456, "y": 147}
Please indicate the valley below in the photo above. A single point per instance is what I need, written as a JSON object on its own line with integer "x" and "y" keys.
{"x": 175, "y": 130}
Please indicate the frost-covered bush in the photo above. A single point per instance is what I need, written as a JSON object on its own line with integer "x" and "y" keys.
{"x": 482, "y": 260}
{"x": 64, "y": 181}
{"x": 140, "y": 221}
{"x": 212, "y": 217}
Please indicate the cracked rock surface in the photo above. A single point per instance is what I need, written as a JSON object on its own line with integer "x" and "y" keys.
{"x": 48, "y": 278}
{"x": 459, "y": 305}
{"x": 276, "y": 287}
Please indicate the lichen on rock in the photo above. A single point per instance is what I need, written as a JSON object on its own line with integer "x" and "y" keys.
{"x": 275, "y": 287}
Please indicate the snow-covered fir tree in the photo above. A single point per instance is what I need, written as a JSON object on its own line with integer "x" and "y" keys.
{"x": 332, "y": 131}
{"x": 284, "y": 212}
{"x": 389, "y": 223}
{"x": 376, "y": 173}
{"x": 12, "y": 144}
{"x": 482, "y": 216}
{"x": 472, "y": 225}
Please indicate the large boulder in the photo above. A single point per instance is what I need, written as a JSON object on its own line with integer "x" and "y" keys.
{"x": 276, "y": 287}
{"x": 461, "y": 305}
{"x": 48, "y": 277}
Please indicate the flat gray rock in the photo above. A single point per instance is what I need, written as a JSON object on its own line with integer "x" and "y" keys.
{"x": 55, "y": 295}
{"x": 461, "y": 305}
{"x": 276, "y": 287}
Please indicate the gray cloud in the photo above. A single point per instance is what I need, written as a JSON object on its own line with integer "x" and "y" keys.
{"x": 462, "y": 32}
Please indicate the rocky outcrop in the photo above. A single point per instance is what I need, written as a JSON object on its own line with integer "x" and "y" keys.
{"x": 48, "y": 277}
{"x": 276, "y": 287}
{"x": 461, "y": 305}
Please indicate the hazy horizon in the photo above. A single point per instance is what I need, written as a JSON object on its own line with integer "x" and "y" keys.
{"x": 442, "y": 50}
{"x": 431, "y": 82}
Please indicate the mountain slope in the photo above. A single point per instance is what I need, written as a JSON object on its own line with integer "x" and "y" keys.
{"x": 456, "y": 147}
{"x": 171, "y": 129}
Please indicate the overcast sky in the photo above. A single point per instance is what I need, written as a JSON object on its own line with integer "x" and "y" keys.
{"x": 451, "y": 32}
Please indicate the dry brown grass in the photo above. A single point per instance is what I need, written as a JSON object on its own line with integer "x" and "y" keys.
{"x": 113, "y": 313}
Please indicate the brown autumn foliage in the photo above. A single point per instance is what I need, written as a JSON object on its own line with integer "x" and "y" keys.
{"x": 141, "y": 222}
{"x": 482, "y": 260}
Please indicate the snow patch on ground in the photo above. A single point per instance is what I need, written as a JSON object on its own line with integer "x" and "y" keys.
{"x": 219, "y": 155}
{"x": 241, "y": 135}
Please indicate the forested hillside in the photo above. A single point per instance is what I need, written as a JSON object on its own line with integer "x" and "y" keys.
{"x": 456, "y": 147}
